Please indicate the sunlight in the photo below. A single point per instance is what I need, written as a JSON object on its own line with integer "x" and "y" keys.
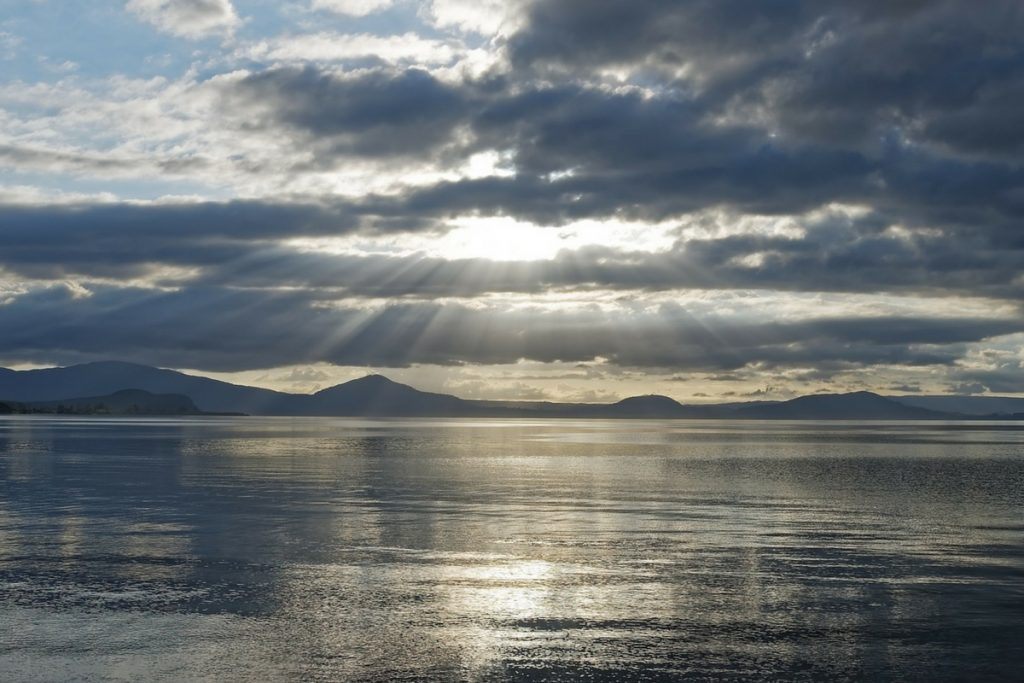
{"x": 516, "y": 590}
{"x": 501, "y": 238}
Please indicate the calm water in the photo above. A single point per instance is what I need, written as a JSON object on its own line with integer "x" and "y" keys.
{"x": 275, "y": 549}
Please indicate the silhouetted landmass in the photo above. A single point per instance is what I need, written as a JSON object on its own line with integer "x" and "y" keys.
{"x": 860, "y": 405}
{"x": 378, "y": 396}
{"x": 967, "y": 405}
{"x": 106, "y": 377}
{"x": 124, "y": 402}
{"x": 650, "y": 405}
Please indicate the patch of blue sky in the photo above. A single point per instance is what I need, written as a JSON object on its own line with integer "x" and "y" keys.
{"x": 99, "y": 38}
{"x": 46, "y": 40}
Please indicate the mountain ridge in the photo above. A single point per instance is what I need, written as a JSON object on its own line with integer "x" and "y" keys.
{"x": 862, "y": 404}
{"x": 377, "y": 395}
{"x": 123, "y": 402}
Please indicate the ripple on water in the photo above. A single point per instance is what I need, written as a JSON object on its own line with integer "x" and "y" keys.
{"x": 236, "y": 549}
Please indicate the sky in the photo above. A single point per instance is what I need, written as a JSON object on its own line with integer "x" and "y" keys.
{"x": 578, "y": 200}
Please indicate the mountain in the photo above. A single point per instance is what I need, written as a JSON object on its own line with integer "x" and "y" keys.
{"x": 125, "y": 402}
{"x": 106, "y": 377}
{"x": 376, "y": 395}
{"x": 373, "y": 395}
{"x": 859, "y": 405}
{"x": 651, "y": 405}
{"x": 967, "y": 405}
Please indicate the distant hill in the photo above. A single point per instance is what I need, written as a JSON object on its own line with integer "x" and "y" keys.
{"x": 372, "y": 395}
{"x": 860, "y": 405}
{"x": 967, "y": 405}
{"x": 652, "y": 406}
{"x": 376, "y": 395}
{"x": 124, "y": 402}
{"x": 107, "y": 377}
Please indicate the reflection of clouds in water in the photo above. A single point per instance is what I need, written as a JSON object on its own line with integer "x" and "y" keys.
{"x": 346, "y": 549}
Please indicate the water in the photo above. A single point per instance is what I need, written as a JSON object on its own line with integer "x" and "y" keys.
{"x": 306, "y": 549}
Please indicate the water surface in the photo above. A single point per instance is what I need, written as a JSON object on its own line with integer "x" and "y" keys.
{"x": 332, "y": 549}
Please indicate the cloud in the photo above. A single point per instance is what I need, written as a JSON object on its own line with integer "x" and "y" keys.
{"x": 490, "y": 390}
{"x": 370, "y": 114}
{"x": 231, "y": 329}
{"x": 485, "y": 17}
{"x": 125, "y": 240}
{"x": 192, "y": 19}
{"x": 324, "y": 47}
{"x": 581, "y": 151}
{"x": 835, "y": 72}
{"x": 304, "y": 375}
{"x": 574, "y": 150}
{"x": 242, "y": 244}
{"x": 9, "y": 45}
{"x": 34, "y": 158}
{"x": 357, "y": 8}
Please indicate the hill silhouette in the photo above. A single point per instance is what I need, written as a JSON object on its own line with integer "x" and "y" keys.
{"x": 651, "y": 405}
{"x": 859, "y": 405}
{"x": 106, "y": 377}
{"x": 376, "y": 395}
{"x": 124, "y": 402}
{"x": 967, "y": 405}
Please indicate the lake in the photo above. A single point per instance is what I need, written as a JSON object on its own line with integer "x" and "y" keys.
{"x": 241, "y": 549}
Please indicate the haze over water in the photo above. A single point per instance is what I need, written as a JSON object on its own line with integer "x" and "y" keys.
{"x": 342, "y": 549}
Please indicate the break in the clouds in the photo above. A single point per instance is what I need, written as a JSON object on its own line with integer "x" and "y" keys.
{"x": 559, "y": 199}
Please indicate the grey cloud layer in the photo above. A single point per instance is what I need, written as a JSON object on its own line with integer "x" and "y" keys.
{"x": 372, "y": 114}
{"x": 835, "y": 70}
{"x": 238, "y": 244}
{"x": 226, "y": 329}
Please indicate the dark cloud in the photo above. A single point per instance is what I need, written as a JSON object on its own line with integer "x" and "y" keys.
{"x": 831, "y": 70}
{"x": 376, "y": 113}
{"x": 846, "y": 263}
{"x": 773, "y": 107}
{"x": 230, "y": 329}
{"x": 128, "y": 240}
{"x": 647, "y": 158}
{"x": 580, "y": 35}
{"x": 239, "y": 244}
{"x": 1001, "y": 376}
